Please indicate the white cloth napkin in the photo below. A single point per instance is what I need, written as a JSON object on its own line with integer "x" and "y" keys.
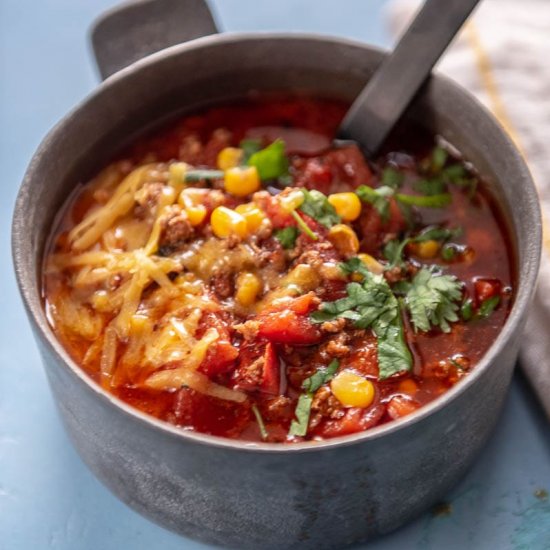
{"x": 503, "y": 57}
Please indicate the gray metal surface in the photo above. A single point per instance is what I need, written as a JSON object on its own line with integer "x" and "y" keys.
{"x": 265, "y": 495}
{"x": 384, "y": 100}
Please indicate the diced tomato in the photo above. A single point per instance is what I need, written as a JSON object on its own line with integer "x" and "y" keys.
{"x": 364, "y": 358}
{"x": 259, "y": 369}
{"x": 354, "y": 420}
{"x": 210, "y": 415}
{"x": 399, "y": 406}
{"x": 316, "y": 175}
{"x": 278, "y": 217}
{"x": 486, "y": 288}
{"x": 221, "y": 356}
{"x": 287, "y": 327}
{"x": 302, "y": 305}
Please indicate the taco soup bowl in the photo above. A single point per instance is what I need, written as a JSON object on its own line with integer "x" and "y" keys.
{"x": 258, "y": 495}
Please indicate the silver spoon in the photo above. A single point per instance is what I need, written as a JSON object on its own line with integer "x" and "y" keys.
{"x": 394, "y": 84}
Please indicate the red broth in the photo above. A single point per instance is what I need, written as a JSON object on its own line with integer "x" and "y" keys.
{"x": 213, "y": 301}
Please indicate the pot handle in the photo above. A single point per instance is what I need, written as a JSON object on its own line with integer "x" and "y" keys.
{"x": 138, "y": 28}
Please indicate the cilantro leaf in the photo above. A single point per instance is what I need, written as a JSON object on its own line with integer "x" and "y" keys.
{"x": 438, "y": 159}
{"x": 487, "y": 307}
{"x": 316, "y": 206}
{"x": 431, "y": 186}
{"x": 270, "y": 162}
{"x": 372, "y": 304}
{"x": 391, "y": 178}
{"x": 379, "y": 198}
{"x": 320, "y": 377}
{"x": 310, "y": 385}
{"x": 426, "y": 201}
{"x": 287, "y": 236}
{"x": 198, "y": 175}
{"x": 393, "y": 352}
{"x": 260, "y": 421}
{"x": 302, "y": 412}
{"x": 434, "y": 233}
{"x": 432, "y": 300}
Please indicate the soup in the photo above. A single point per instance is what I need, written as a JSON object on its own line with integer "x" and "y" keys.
{"x": 239, "y": 274}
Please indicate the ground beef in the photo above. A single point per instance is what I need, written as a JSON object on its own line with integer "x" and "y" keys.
{"x": 223, "y": 284}
{"x": 176, "y": 229}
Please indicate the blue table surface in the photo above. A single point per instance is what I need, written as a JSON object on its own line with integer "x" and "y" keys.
{"x": 48, "y": 498}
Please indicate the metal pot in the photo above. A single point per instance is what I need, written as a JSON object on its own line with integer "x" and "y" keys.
{"x": 308, "y": 495}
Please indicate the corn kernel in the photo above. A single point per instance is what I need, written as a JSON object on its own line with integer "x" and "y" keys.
{"x": 196, "y": 214}
{"x": 303, "y": 277}
{"x": 408, "y": 386}
{"x": 344, "y": 239}
{"x": 352, "y": 390}
{"x": 427, "y": 249}
{"x": 291, "y": 201}
{"x": 227, "y": 222}
{"x": 229, "y": 157}
{"x": 347, "y": 205}
{"x": 253, "y": 215}
{"x": 373, "y": 265}
{"x": 242, "y": 180}
{"x": 248, "y": 288}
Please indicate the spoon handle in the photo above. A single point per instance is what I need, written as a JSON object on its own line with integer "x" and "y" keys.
{"x": 389, "y": 92}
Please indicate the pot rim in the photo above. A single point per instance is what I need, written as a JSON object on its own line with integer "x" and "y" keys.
{"x": 31, "y": 295}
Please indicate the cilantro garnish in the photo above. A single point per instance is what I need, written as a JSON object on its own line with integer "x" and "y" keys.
{"x": 287, "y": 237}
{"x": 467, "y": 309}
{"x": 431, "y": 186}
{"x": 391, "y": 178}
{"x": 380, "y": 197}
{"x": 393, "y": 251}
{"x": 310, "y": 385}
{"x": 372, "y": 304}
{"x": 432, "y": 300}
{"x": 271, "y": 162}
{"x": 260, "y": 421}
{"x": 320, "y": 377}
{"x": 487, "y": 307}
{"x": 316, "y": 206}
{"x": 199, "y": 175}
{"x": 302, "y": 412}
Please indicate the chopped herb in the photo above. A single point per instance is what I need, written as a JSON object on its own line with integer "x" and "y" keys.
{"x": 439, "y": 158}
{"x": 431, "y": 186}
{"x": 467, "y": 309}
{"x": 448, "y": 252}
{"x": 432, "y": 300}
{"x": 270, "y": 162}
{"x": 432, "y": 201}
{"x": 287, "y": 236}
{"x": 454, "y": 173}
{"x": 487, "y": 307}
{"x": 310, "y": 385}
{"x": 434, "y": 233}
{"x": 260, "y": 421}
{"x": 393, "y": 252}
{"x": 379, "y": 198}
{"x": 302, "y": 412}
{"x": 316, "y": 206}
{"x": 391, "y": 178}
{"x": 198, "y": 175}
{"x": 320, "y": 377}
{"x": 249, "y": 147}
{"x": 304, "y": 227}
{"x": 372, "y": 304}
